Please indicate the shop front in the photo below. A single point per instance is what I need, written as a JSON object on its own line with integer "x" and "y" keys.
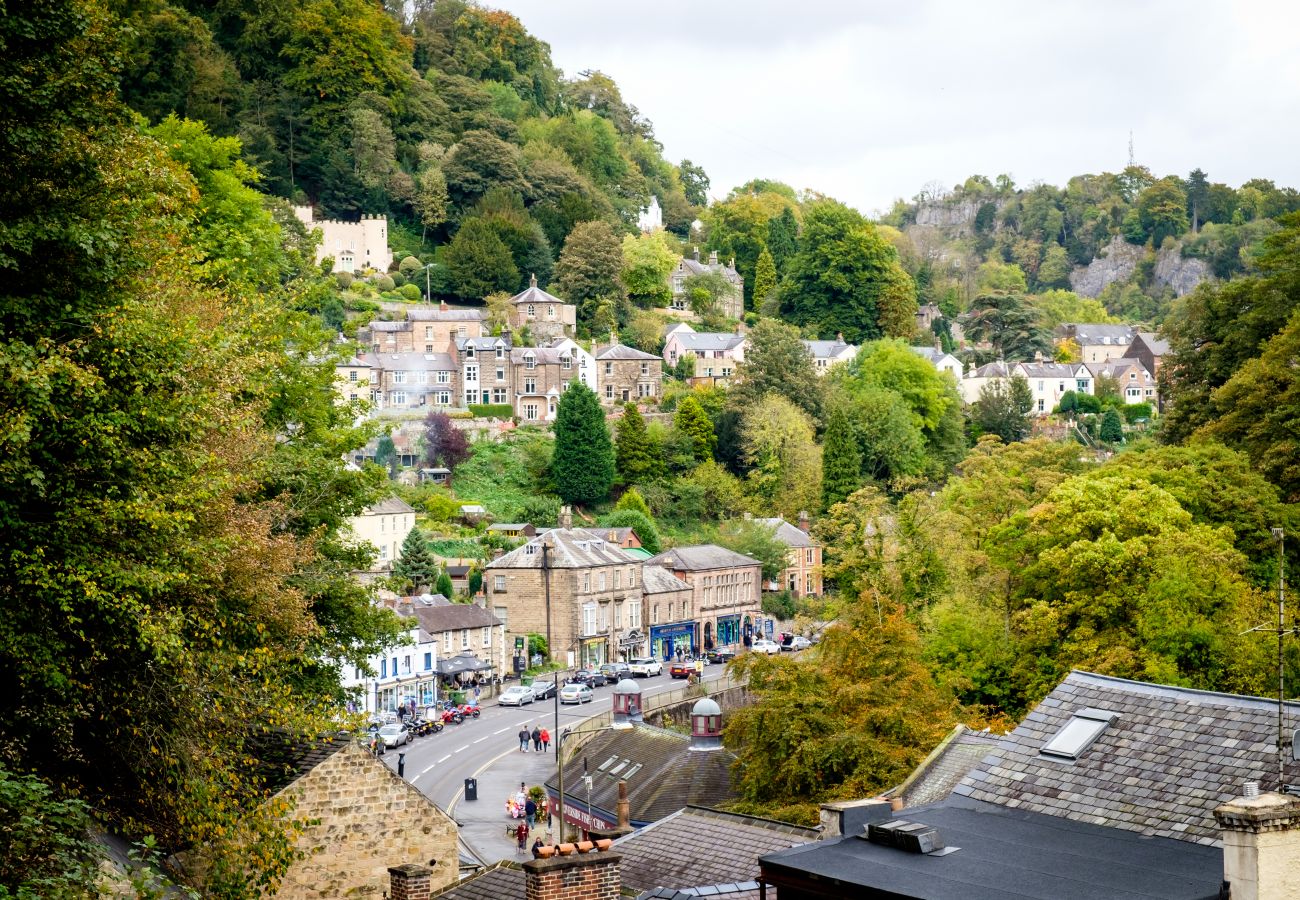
{"x": 594, "y": 652}
{"x": 728, "y": 630}
{"x": 666, "y": 641}
{"x": 631, "y": 645}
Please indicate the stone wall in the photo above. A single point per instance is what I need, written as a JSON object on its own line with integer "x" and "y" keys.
{"x": 678, "y": 712}
{"x": 368, "y": 821}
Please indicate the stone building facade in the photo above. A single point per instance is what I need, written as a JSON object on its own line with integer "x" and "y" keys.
{"x": 732, "y": 303}
{"x": 355, "y": 246}
{"x": 802, "y": 575}
{"x": 425, "y": 329}
{"x": 545, "y": 316}
{"x": 367, "y": 820}
{"x": 726, "y": 597}
{"x": 384, "y": 526}
{"x": 624, "y": 373}
{"x": 594, "y": 587}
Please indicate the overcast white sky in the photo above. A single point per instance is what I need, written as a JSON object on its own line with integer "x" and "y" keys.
{"x": 869, "y": 101}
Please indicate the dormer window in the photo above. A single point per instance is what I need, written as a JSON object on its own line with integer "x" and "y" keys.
{"x": 566, "y": 362}
{"x": 1078, "y": 734}
{"x": 530, "y": 361}
{"x": 501, "y": 352}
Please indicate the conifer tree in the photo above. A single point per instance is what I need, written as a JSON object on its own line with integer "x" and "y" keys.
{"x": 633, "y": 500}
{"x": 416, "y": 565}
{"x": 632, "y": 446}
{"x": 764, "y": 282}
{"x": 444, "y": 585}
{"x": 841, "y": 461}
{"x": 692, "y": 420}
{"x": 583, "y": 462}
{"x": 1112, "y": 430}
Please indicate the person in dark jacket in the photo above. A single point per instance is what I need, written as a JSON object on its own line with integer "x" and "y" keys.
{"x": 537, "y": 739}
{"x": 530, "y": 811}
{"x": 523, "y": 739}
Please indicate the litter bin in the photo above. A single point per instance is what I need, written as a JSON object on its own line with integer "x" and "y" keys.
{"x": 471, "y": 788}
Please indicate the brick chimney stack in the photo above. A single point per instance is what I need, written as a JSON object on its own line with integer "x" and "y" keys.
{"x": 565, "y": 519}
{"x": 1261, "y": 845}
{"x": 593, "y": 875}
{"x": 410, "y": 882}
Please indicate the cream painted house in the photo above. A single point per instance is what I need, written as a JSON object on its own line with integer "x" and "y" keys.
{"x": 383, "y": 526}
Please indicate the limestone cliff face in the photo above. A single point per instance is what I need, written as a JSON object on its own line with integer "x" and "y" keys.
{"x": 949, "y": 216}
{"x": 1118, "y": 262}
{"x": 1180, "y": 273}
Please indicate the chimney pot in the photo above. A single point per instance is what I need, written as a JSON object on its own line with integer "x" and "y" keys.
{"x": 532, "y": 280}
{"x": 409, "y": 882}
{"x": 1261, "y": 836}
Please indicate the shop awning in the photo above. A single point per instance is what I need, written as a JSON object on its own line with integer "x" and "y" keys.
{"x": 455, "y": 665}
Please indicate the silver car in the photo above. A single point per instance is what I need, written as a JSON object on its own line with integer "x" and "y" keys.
{"x": 576, "y": 693}
{"x": 516, "y": 695}
{"x": 394, "y": 735}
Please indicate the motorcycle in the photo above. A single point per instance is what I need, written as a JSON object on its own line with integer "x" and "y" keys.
{"x": 470, "y": 708}
{"x": 453, "y": 715}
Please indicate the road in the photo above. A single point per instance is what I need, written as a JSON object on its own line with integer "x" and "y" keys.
{"x": 438, "y": 764}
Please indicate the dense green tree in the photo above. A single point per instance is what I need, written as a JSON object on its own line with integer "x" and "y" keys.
{"x": 705, "y": 293}
{"x": 691, "y": 420}
{"x": 1112, "y": 427}
{"x": 841, "y": 460}
{"x": 635, "y": 453}
{"x": 444, "y": 586}
{"x": 478, "y": 162}
{"x": 777, "y": 362}
{"x": 1005, "y": 408}
{"x": 416, "y": 566}
{"x": 782, "y": 238}
{"x": 695, "y": 183}
{"x": 639, "y": 521}
{"x": 754, "y": 539}
{"x": 589, "y": 269}
{"x": 1162, "y": 210}
{"x": 784, "y": 463}
{"x": 1054, "y": 307}
{"x": 1009, "y": 323}
{"x": 765, "y": 297}
{"x": 504, "y": 212}
{"x": 1198, "y": 197}
{"x": 478, "y": 262}
{"x": 582, "y": 466}
{"x": 648, "y": 260}
{"x": 737, "y": 226}
{"x": 1054, "y": 270}
{"x": 632, "y": 499}
{"x": 844, "y": 276}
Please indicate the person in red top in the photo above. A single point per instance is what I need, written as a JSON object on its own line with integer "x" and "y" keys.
{"x": 546, "y": 741}
{"x": 521, "y": 836}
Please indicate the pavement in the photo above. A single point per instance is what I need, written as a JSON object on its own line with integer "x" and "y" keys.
{"x": 484, "y": 821}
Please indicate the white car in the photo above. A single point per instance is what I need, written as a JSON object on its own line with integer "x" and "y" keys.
{"x": 576, "y": 693}
{"x": 766, "y": 646}
{"x": 646, "y": 666}
{"x": 516, "y": 695}
{"x": 394, "y": 735}
{"x": 798, "y": 642}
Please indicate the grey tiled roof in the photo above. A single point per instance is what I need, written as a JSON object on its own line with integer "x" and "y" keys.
{"x": 622, "y": 351}
{"x": 482, "y": 343}
{"x": 710, "y": 340}
{"x": 993, "y": 370}
{"x": 429, "y": 362}
{"x": 1050, "y": 370}
{"x": 788, "y": 534}
{"x": 938, "y": 774}
{"x": 700, "y": 557}
{"x": 1090, "y": 333}
{"x": 389, "y": 506}
{"x": 451, "y": 314}
{"x": 696, "y": 847}
{"x": 1156, "y": 344}
{"x": 658, "y": 580}
{"x": 453, "y": 617}
{"x": 535, "y": 294}
{"x": 827, "y": 349}
{"x": 1117, "y": 367}
{"x": 504, "y": 881}
{"x": 1173, "y": 755}
{"x": 671, "y": 774}
{"x": 571, "y": 548}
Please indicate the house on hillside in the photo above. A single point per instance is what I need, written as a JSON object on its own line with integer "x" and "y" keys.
{"x": 1148, "y": 349}
{"x": 355, "y": 246}
{"x": 484, "y": 369}
{"x": 1049, "y": 382}
{"x": 413, "y": 381}
{"x": 624, "y": 374}
{"x": 384, "y": 526}
{"x": 540, "y": 376}
{"x": 1135, "y": 383}
{"x": 423, "y": 329}
{"x": 717, "y": 355}
{"x": 944, "y": 362}
{"x": 352, "y": 381}
{"x": 733, "y": 301}
{"x": 826, "y": 354}
{"x": 544, "y": 315}
{"x": 1097, "y": 342}
{"x": 802, "y": 575}
{"x": 1148, "y": 778}
{"x": 725, "y": 607}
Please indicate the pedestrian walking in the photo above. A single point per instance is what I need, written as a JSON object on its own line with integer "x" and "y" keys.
{"x": 521, "y": 836}
{"x": 477, "y": 692}
{"x": 537, "y": 739}
{"x": 546, "y": 741}
{"x": 523, "y": 739}
{"x": 530, "y": 812}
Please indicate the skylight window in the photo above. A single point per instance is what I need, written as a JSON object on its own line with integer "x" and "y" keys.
{"x": 1079, "y": 733}
{"x": 607, "y": 763}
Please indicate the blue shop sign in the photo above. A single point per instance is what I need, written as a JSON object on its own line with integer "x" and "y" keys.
{"x": 679, "y": 629}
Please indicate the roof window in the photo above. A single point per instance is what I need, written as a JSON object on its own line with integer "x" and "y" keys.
{"x": 1078, "y": 734}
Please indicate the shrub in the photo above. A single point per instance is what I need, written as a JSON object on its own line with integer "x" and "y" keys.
{"x": 384, "y": 283}
{"x": 344, "y": 279}
{"x": 409, "y": 292}
{"x": 492, "y": 410}
{"x": 398, "y": 278}
{"x": 1134, "y": 411}
{"x": 409, "y": 266}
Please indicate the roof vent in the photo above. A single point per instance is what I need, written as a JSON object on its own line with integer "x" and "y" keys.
{"x": 910, "y": 837}
{"x": 1078, "y": 734}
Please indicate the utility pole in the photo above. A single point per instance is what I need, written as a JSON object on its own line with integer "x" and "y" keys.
{"x": 1281, "y": 631}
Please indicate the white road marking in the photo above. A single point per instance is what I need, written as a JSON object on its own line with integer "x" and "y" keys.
{"x": 444, "y": 759}
{"x": 481, "y": 740}
{"x": 427, "y": 768}
{"x": 458, "y": 749}
{"x": 501, "y": 731}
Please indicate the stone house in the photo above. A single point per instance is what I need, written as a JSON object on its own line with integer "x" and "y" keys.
{"x": 733, "y": 301}
{"x": 461, "y": 630}
{"x": 425, "y": 329}
{"x": 725, "y": 598}
{"x": 826, "y": 354}
{"x": 668, "y": 602}
{"x": 584, "y": 362}
{"x": 413, "y": 381}
{"x": 1049, "y": 381}
{"x": 624, "y": 374}
{"x": 1097, "y": 342}
{"x": 1135, "y": 382}
{"x": 352, "y": 381}
{"x": 483, "y": 366}
{"x": 802, "y": 575}
{"x": 539, "y": 376}
{"x": 944, "y": 362}
{"x": 544, "y": 315}
{"x": 594, "y": 590}
{"x": 717, "y": 355}
{"x": 365, "y": 819}
{"x": 384, "y": 526}
{"x": 1149, "y": 350}
{"x": 355, "y": 246}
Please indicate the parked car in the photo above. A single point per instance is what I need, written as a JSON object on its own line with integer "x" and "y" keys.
{"x": 576, "y": 692}
{"x": 544, "y": 689}
{"x": 798, "y": 642}
{"x": 720, "y": 655}
{"x": 590, "y": 677}
{"x": 394, "y": 735}
{"x": 516, "y": 695}
{"x": 765, "y": 646}
{"x": 615, "y": 672}
{"x": 646, "y": 666}
{"x": 681, "y": 669}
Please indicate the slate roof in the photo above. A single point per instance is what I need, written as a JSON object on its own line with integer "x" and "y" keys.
{"x": 389, "y": 506}
{"x": 788, "y": 534}
{"x": 616, "y": 352}
{"x": 936, "y": 776}
{"x": 504, "y": 881}
{"x": 1049, "y": 370}
{"x": 610, "y": 534}
{"x": 1117, "y": 367}
{"x": 282, "y": 761}
{"x": 710, "y": 340}
{"x": 695, "y": 267}
{"x": 745, "y": 890}
{"x": 534, "y": 294}
{"x": 993, "y": 370}
{"x": 415, "y": 362}
{"x": 1007, "y": 853}
{"x": 571, "y": 548}
{"x": 482, "y": 344}
{"x": 453, "y": 617}
{"x": 1156, "y": 344}
{"x": 658, "y": 580}
{"x": 670, "y": 775}
{"x": 701, "y": 557}
{"x": 696, "y": 847}
{"x": 1090, "y": 334}
{"x": 828, "y": 349}
{"x": 451, "y": 314}
{"x": 544, "y": 355}
{"x": 1173, "y": 755}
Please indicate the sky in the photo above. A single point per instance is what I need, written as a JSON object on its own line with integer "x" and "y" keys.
{"x": 872, "y": 101}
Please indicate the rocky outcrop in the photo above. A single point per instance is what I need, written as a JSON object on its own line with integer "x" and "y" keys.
{"x": 1180, "y": 273}
{"x": 1118, "y": 262}
{"x": 958, "y": 216}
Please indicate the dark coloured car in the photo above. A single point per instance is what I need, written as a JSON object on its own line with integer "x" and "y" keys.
{"x": 589, "y": 677}
{"x": 720, "y": 656}
{"x": 544, "y": 689}
{"x": 616, "y": 672}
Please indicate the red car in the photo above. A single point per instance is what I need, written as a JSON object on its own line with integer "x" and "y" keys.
{"x": 682, "y": 669}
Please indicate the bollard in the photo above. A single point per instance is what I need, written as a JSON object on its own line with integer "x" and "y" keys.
{"x": 401, "y": 764}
